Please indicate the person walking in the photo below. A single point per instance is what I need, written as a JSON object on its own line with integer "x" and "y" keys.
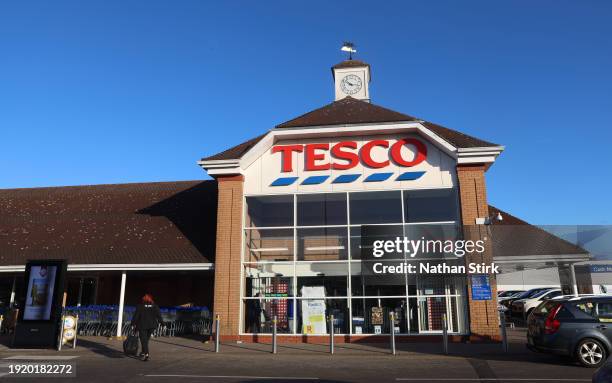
{"x": 145, "y": 320}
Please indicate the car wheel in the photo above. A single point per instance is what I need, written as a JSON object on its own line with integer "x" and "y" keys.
{"x": 591, "y": 353}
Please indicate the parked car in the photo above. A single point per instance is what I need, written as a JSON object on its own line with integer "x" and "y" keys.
{"x": 523, "y": 295}
{"x": 503, "y": 299}
{"x": 523, "y": 307}
{"x": 579, "y": 327}
{"x": 508, "y": 293}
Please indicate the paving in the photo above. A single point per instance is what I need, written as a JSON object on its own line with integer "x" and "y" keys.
{"x": 98, "y": 359}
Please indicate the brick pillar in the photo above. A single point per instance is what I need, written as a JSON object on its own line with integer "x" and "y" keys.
{"x": 484, "y": 318}
{"x": 227, "y": 255}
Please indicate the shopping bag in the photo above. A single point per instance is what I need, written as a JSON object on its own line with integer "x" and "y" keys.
{"x": 130, "y": 345}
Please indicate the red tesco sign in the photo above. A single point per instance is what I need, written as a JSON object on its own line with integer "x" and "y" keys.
{"x": 317, "y": 156}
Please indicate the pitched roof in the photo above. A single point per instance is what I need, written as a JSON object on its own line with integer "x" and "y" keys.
{"x": 349, "y": 111}
{"x": 514, "y": 237}
{"x": 455, "y": 138}
{"x": 237, "y": 151}
{"x": 160, "y": 222}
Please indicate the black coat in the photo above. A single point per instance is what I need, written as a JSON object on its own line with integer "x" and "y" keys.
{"x": 146, "y": 317}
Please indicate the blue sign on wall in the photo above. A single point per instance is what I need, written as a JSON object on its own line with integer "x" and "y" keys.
{"x": 481, "y": 288}
{"x": 601, "y": 268}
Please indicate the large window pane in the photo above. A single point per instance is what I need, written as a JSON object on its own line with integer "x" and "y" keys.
{"x": 259, "y": 313}
{"x": 321, "y": 209}
{"x": 431, "y": 205}
{"x": 322, "y": 279}
{"x": 268, "y": 245}
{"x": 431, "y": 310}
{"x": 364, "y": 283}
{"x": 269, "y": 211}
{"x": 269, "y": 280}
{"x": 434, "y": 238}
{"x": 375, "y": 207}
{"x": 430, "y": 285}
{"x": 322, "y": 244}
{"x": 371, "y": 316}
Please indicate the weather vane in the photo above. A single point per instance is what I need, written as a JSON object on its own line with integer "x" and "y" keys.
{"x": 349, "y": 47}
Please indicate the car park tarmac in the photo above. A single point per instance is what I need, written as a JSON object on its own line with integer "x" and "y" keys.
{"x": 187, "y": 360}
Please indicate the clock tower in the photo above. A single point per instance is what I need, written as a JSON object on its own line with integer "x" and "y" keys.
{"x": 351, "y": 78}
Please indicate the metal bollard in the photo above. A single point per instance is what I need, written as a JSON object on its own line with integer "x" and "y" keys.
{"x": 331, "y": 334}
{"x": 392, "y": 327}
{"x": 502, "y": 323}
{"x": 76, "y": 331}
{"x": 445, "y": 333}
{"x": 274, "y": 335}
{"x": 217, "y": 327}
{"x": 61, "y": 334}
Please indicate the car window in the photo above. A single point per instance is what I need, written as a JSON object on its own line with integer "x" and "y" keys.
{"x": 553, "y": 294}
{"x": 538, "y": 294}
{"x": 587, "y": 308}
{"x": 546, "y": 308}
{"x": 604, "y": 311}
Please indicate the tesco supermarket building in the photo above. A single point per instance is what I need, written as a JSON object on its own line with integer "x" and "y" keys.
{"x": 277, "y": 232}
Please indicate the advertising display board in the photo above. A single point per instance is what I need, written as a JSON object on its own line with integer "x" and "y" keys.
{"x": 39, "y": 322}
{"x": 39, "y": 294}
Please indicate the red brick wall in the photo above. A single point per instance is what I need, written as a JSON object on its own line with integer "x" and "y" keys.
{"x": 484, "y": 322}
{"x": 227, "y": 255}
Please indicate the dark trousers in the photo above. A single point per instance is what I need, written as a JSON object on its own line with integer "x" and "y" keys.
{"x": 144, "y": 336}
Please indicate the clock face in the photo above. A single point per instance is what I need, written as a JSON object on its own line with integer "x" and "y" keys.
{"x": 350, "y": 84}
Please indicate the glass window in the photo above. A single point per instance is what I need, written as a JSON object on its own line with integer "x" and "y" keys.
{"x": 321, "y": 209}
{"x": 545, "y": 308}
{"x": 431, "y": 310}
{"x": 456, "y": 284}
{"x": 296, "y": 263}
{"x": 322, "y": 279}
{"x": 431, "y": 205}
{"x": 269, "y": 211}
{"x": 270, "y": 280}
{"x": 375, "y": 207}
{"x": 322, "y": 244}
{"x": 604, "y": 310}
{"x": 366, "y": 283}
{"x": 430, "y": 285}
{"x": 371, "y": 316}
{"x": 268, "y": 245}
{"x": 259, "y": 313}
{"x": 587, "y": 308}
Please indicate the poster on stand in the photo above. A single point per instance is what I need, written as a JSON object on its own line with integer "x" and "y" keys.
{"x": 313, "y": 310}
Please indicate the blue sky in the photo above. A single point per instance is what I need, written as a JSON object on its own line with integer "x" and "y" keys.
{"x": 134, "y": 91}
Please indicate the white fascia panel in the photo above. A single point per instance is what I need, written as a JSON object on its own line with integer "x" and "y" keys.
{"x": 462, "y": 155}
{"x": 123, "y": 267}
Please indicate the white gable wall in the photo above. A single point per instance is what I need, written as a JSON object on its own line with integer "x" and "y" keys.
{"x": 439, "y": 168}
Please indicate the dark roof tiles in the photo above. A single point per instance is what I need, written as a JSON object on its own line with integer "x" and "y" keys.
{"x": 348, "y": 111}
{"x": 160, "y": 222}
{"x": 514, "y": 237}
